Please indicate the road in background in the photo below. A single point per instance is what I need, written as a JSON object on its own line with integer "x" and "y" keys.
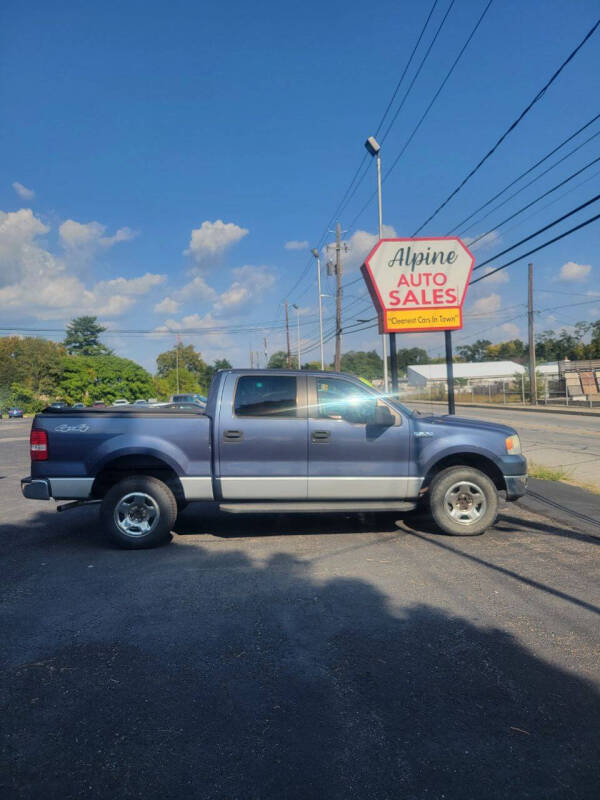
{"x": 291, "y": 656}
{"x": 568, "y": 441}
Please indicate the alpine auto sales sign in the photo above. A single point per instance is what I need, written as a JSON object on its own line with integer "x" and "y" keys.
{"x": 418, "y": 284}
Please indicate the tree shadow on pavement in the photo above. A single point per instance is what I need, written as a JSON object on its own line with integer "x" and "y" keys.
{"x": 191, "y": 672}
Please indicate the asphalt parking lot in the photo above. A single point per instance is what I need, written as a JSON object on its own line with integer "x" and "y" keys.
{"x": 295, "y": 657}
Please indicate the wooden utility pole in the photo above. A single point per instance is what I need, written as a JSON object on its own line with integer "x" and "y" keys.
{"x": 532, "y": 378}
{"x": 338, "y": 297}
{"x": 287, "y": 334}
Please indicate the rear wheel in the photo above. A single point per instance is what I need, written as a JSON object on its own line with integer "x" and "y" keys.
{"x": 139, "y": 512}
{"x": 463, "y": 501}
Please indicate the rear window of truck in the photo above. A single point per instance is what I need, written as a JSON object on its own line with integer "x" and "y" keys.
{"x": 266, "y": 396}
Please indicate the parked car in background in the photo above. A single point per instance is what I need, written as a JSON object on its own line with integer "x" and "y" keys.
{"x": 194, "y": 408}
{"x": 78, "y": 405}
{"x": 140, "y": 402}
{"x": 59, "y": 404}
{"x": 121, "y": 402}
{"x": 15, "y": 413}
{"x": 98, "y": 404}
{"x": 199, "y": 399}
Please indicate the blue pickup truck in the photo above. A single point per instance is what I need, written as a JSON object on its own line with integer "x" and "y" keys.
{"x": 273, "y": 440}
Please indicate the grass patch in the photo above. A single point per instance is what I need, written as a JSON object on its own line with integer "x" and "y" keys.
{"x": 547, "y": 473}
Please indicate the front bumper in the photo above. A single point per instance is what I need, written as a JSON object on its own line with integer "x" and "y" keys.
{"x": 516, "y": 486}
{"x": 35, "y": 488}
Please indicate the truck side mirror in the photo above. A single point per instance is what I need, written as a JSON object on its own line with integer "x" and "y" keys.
{"x": 383, "y": 416}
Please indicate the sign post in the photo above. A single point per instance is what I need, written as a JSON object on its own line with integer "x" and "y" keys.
{"x": 419, "y": 285}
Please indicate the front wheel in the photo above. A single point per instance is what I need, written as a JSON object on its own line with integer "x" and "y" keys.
{"x": 463, "y": 501}
{"x": 139, "y": 512}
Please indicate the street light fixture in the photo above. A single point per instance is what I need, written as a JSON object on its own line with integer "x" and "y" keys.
{"x": 315, "y": 253}
{"x": 374, "y": 149}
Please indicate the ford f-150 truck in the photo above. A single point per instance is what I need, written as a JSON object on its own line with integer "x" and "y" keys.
{"x": 273, "y": 440}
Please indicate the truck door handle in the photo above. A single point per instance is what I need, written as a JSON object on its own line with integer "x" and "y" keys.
{"x": 320, "y": 436}
{"x": 233, "y": 436}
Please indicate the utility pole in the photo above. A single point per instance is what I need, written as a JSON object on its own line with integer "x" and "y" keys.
{"x": 265, "y": 348}
{"x": 287, "y": 335}
{"x": 338, "y": 297}
{"x": 532, "y": 379}
{"x": 251, "y": 359}
{"x": 177, "y": 360}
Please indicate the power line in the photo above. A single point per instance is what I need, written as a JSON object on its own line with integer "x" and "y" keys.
{"x": 523, "y": 174}
{"x": 536, "y": 233}
{"x": 540, "y": 247}
{"x": 536, "y": 200}
{"x": 420, "y": 67}
{"x": 350, "y": 191}
{"x": 531, "y": 182}
{"x": 427, "y": 110}
{"x": 511, "y": 127}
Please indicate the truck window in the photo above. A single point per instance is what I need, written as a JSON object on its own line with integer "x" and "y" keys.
{"x": 266, "y": 396}
{"x": 340, "y": 399}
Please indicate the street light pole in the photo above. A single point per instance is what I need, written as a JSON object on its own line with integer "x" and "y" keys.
{"x": 375, "y": 150}
{"x": 315, "y": 253}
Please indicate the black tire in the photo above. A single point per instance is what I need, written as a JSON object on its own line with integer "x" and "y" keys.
{"x": 468, "y": 510}
{"x": 125, "y": 517}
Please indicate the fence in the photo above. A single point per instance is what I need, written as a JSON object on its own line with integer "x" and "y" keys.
{"x": 550, "y": 391}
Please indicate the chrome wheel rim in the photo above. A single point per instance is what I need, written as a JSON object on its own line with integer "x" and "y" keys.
{"x": 465, "y": 502}
{"x": 136, "y": 514}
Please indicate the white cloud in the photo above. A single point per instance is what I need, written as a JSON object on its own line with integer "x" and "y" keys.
{"x": 249, "y": 284}
{"x": 359, "y": 245}
{"x": 37, "y": 283}
{"x": 196, "y": 289}
{"x": 18, "y": 231}
{"x": 486, "y": 305}
{"x": 23, "y": 192}
{"x": 82, "y": 241}
{"x": 487, "y": 240}
{"x": 211, "y": 239}
{"x": 511, "y": 330}
{"x": 497, "y": 277}
{"x": 167, "y": 306}
{"x": 574, "y": 272}
{"x": 141, "y": 285}
{"x": 296, "y": 245}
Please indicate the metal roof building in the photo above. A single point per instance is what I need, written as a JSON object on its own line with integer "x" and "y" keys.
{"x": 474, "y": 371}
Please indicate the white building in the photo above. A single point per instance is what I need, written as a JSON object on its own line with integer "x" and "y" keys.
{"x": 475, "y": 372}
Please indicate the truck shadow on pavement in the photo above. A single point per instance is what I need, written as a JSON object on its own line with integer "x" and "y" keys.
{"x": 190, "y": 672}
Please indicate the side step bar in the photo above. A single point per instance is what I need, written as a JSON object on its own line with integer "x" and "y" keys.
{"x": 317, "y": 507}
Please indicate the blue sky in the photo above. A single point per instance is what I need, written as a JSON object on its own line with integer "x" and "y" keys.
{"x": 158, "y": 157}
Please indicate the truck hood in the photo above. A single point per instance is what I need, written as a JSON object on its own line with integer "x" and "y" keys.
{"x": 446, "y": 421}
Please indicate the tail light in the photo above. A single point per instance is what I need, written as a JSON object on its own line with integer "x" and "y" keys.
{"x": 38, "y": 445}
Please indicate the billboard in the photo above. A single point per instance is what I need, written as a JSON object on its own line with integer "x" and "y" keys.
{"x": 418, "y": 284}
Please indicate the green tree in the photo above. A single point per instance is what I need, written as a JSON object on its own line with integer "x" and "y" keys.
{"x": 36, "y": 364}
{"x": 165, "y": 386}
{"x": 363, "y": 364}
{"x": 83, "y": 337}
{"x": 279, "y": 361}
{"x": 90, "y": 378}
{"x": 411, "y": 355}
{"x": 474, "y": 352}
{"x": 312, "y": 365}
{"x": 512, "y": 350}
{"x": 186, "y": 357}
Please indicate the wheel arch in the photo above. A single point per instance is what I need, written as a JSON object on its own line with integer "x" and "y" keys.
{"x": 124, "y": 466}
{"x": 474, "y": 460}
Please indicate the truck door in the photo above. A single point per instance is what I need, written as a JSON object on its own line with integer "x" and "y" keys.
{"x": 262, "y": 437}
{"x": 350, "y": 455}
